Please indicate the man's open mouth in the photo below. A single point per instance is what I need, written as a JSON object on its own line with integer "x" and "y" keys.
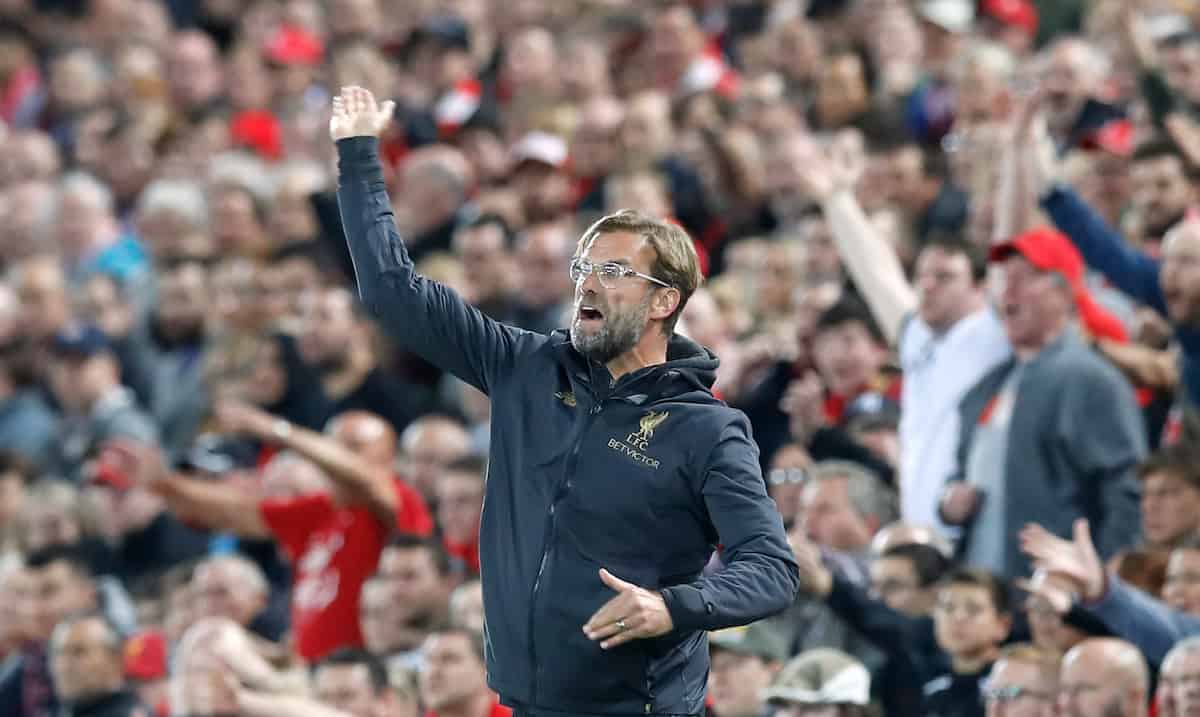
{"x": 590, "y": 313}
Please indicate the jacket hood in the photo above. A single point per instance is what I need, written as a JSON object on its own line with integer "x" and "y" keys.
{"x": 689, "y": 367}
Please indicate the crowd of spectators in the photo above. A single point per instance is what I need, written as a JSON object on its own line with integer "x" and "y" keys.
{"x": 952, "y": 262}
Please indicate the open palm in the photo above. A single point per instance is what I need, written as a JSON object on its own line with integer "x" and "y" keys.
{"x": 356, "y": 114}
{"x": 1076, "y": 560}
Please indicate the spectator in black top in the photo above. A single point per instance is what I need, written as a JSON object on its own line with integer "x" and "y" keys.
{"x": 546, "y": 291}
{"x": 354, "y": 682}
{"x": 906, "y": 577}
{"x": 935, "y": 664}
{"x": 61, "y": 585}
{"x": 485, "y": 248}
{"x": 88, "y": 669}
{"x": 336, "y": 339}
{"x": 146, "y": 539}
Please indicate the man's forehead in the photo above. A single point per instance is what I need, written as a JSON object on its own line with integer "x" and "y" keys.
{"x": 1016, "y": 672}
{"x": 1183, "y": 662}
{"x": 1183, "y": 558}
{"x": 1184, "y": 239}
{"x": 965, "y": 590}
{"x": 342, "y": 673}
{"x": 448, "y": 642}
{"x": 617, "y": 246}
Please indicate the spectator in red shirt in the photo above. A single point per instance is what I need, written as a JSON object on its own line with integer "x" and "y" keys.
{"x": 454, "y": 681}
{"x": 459, "y": 507}
{"x": 332, "y": 538}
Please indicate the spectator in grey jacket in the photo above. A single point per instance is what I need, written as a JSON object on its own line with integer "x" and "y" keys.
{"x": 1052, "y": 434}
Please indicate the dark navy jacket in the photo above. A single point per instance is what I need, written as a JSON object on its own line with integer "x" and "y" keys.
{"x": 643, "y": 476}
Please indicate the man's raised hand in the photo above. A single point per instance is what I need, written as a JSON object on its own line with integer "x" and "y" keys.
{"x": 356, "y": 114}
{"x": 826, "y": 171}
{"x": 1076, "y": 560}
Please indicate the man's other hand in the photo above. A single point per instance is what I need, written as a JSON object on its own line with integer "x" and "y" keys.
{"x": 356, "y": 114}
{"x": 633, "y": 614}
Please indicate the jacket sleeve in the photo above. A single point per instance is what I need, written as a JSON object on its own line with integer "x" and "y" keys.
{"x": 1147, "y": 623}
{"x": 760, "y": 576}
{"x": 1131, "y": 271}
{"x": 423, "y": 316}
{"x": 889, "y": 630}
{"x": 1102, "y": 432}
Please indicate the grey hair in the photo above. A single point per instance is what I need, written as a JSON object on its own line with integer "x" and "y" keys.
{"x": 248, "y": 573}
{"x": 178, "y": 196}
{"x": 868, "y": 494}
{"x": 311, "y": 176}
{"x": 992, "y": 57}
{"x": 1096, "y": 64}
{"x": 1186, "y": 646}
{"x": 86, "y": 185}
{"x": 241, "y": 169}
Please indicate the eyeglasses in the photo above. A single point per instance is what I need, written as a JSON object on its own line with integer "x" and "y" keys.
{"x": 890, "y": 587}
{"x": 609, "y": 273}
{"x": 1183, "y": 578}
{"x": 1012, "y": 693}
{"x": 1074, "y": 691}
{"x": 967, "y": 608}
{"x": 787, "y": 476}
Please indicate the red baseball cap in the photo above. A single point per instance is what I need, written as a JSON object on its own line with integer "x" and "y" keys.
{"x": 1016, "y": 13}
{"x": 110, "y": 468}
{"x": 258, "y": 130}
{"x": 146, "y": 656}
{"x": 291, "y": 45}
{"x": 1050, "y": 250}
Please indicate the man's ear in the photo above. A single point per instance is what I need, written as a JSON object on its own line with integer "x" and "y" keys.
{"x": 1005, "y": 621}
{"x": 664, "y": 303}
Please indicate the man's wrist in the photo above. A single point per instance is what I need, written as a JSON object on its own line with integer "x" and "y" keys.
{"x": 1095, "y": 592}
{"x": 281, "y": 430}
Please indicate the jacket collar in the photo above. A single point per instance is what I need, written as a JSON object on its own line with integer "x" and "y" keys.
{"x": 689, "y": 367}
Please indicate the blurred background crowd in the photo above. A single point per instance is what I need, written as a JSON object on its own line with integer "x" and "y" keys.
{"x": 953, "y": 277}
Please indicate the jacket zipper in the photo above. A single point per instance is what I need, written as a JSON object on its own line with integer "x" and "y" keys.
{"x": 560, "y": 492}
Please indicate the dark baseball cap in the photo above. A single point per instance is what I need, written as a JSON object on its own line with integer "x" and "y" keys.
{"x": 81, "y": 340}
{"x": 447, "y": 32}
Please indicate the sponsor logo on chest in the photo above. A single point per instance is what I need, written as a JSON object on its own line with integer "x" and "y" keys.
{"x": 636, "y": 444}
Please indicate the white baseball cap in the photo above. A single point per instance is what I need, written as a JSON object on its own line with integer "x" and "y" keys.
{"x": 951, "y": 15}
{"x": 821, "y": 677}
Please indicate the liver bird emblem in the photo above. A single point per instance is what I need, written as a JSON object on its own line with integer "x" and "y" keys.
{"x": 649, "y": 422}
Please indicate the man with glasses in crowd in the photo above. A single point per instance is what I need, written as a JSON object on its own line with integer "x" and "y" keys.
{"x": 614, "y": 473}
{"x": 1022, "y": 683}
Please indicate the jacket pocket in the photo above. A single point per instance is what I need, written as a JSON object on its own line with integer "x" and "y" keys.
{"x": 575, "y": 667}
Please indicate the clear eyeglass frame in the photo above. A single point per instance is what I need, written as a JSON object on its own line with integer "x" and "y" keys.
{"x": 609, "y": 274}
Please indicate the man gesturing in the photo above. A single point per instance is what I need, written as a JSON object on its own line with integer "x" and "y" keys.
{"x": 613, "y": 472}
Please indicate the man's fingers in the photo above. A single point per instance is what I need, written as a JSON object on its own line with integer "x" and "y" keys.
{"x": 609, "y": 612}
{"x": 621, "y": 638}
{"x": 614, "y": 582}
{"x": 615, "y": 627}
{"x": 1083, "y": 535}
{"x": 387, "y": 110}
